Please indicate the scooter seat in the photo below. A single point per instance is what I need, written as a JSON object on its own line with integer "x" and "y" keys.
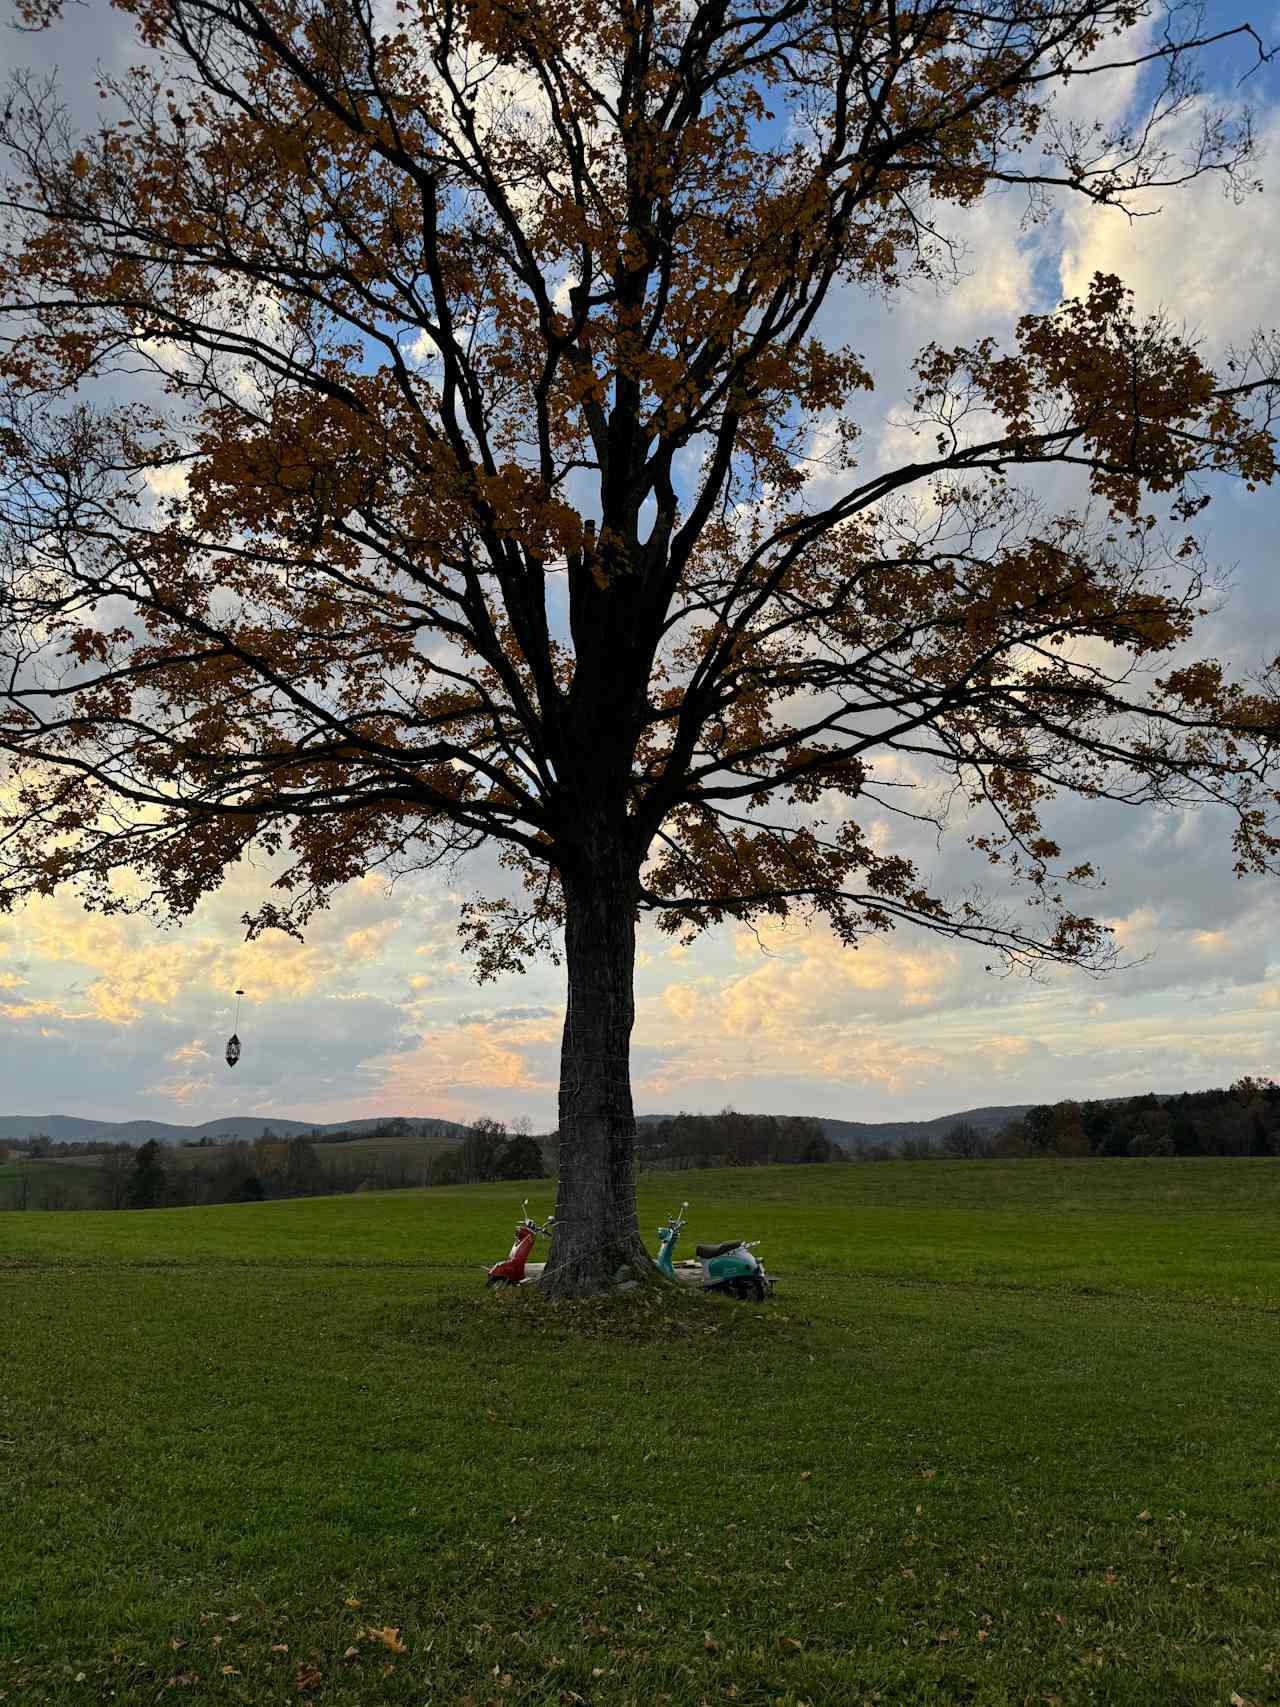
{"x": 706, "y": 1252}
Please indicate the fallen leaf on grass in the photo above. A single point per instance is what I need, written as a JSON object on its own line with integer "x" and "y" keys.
{"x": 230, "y": 1671}
{"x": 387, "y": 1634}
{"x": 351, "y": 1601}
{"x": 1109, "y": 1575}
{"x": 928, "y": 1474}
{"x": 805, "y": 1475}
{"x": 307, "y": 1678}
{"x": 709, "y": 1642}
{"x": 351, "y": 1654}
{"x": 792, "y": 1643}
{"x": 279, "y": 1647}
{"x": 176, "y": 1642}
{"x": 1143, "y": 1516}
{"x": 234, "y": 1617}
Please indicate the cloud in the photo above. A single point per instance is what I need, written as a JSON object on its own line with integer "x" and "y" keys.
{"x": 505, "y": 1016}
{"x": 820, "y": 983}
{"x": 37, "y": 1008}
{"x": 179, "y": 1090}
{"x": 1187, "y": 956}
{"x": 684, "y": 1001}
{"x": 132, "y": 967}
{"x": 1191, "y": 258}
{"x": 193, "y": 1051}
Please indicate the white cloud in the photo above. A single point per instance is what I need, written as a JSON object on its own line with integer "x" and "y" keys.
{"x": 1214, "y": 265}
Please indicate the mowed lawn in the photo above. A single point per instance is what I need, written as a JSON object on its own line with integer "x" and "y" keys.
{"x": 1008, "y": 1433}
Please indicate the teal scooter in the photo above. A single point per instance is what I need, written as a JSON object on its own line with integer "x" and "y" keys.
{"x": 730, "y": 1267}
{"x": 667, "y": 1237}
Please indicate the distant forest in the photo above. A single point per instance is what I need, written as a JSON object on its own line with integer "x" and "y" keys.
{"x": 102, "y": 1175}
{"x": 1243, "y": 1120}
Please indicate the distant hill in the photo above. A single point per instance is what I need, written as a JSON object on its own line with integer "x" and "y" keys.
{"x": 67, "y": 1129}
{"x": 852, "y": 1135}
{"x": 857, "y": 1135}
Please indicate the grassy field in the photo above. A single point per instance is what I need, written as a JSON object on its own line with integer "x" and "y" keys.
{"x": 1007, "y": 1434}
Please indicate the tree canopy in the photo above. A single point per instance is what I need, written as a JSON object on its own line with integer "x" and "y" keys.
{"x": 409, "y": 423}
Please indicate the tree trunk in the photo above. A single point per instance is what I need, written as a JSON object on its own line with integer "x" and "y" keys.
{"x": 597, "y": 1241}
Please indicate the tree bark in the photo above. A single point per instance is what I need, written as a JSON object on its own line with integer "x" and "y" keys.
{"x": 597, "y": 1243}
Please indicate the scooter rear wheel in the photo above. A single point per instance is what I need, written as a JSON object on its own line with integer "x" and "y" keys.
{"x": 748, "y": 1288}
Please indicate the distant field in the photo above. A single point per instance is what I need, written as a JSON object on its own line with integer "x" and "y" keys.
{"x": 413, "y": 1145}
{"x": 78, "y": 1185}
{"x": 1008, "y": 1434}
{"x": 78, "y": 1179}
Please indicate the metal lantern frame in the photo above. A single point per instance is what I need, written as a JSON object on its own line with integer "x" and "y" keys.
{"x": 233, "y": 1042}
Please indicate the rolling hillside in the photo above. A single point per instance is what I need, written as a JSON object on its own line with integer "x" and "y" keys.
{"x": 854, "y": 1135}
{"x": 69, "y": 1129}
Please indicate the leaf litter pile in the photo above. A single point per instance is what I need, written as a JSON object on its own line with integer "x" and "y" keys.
{"x": 646, "y": 1316}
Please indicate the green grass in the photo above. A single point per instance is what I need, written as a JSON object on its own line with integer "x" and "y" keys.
{"x": 1017, "y": 1443}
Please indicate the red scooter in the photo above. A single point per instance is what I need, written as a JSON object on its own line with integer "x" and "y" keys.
{"x": 510, "y": 1272}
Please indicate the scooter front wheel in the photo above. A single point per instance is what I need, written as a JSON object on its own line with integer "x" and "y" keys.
{"x": 749, "y": 1288}
{"x": 499, "y": 1280}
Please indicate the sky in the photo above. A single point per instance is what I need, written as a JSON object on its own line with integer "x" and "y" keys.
{"x": 377, "y": 1013}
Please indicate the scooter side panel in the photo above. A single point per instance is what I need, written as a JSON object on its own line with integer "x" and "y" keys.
{"x": 730, "y": 1267}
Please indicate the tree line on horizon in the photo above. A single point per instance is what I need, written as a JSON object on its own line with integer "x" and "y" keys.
{"x": 1242, "y": 1120}
{"x": 156, "y": 1175}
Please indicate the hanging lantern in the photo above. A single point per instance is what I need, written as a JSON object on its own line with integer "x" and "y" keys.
{"x": 233, "y": 1042}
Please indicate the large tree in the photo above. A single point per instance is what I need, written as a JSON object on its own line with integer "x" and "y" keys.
{"x": 411, "y": 424}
